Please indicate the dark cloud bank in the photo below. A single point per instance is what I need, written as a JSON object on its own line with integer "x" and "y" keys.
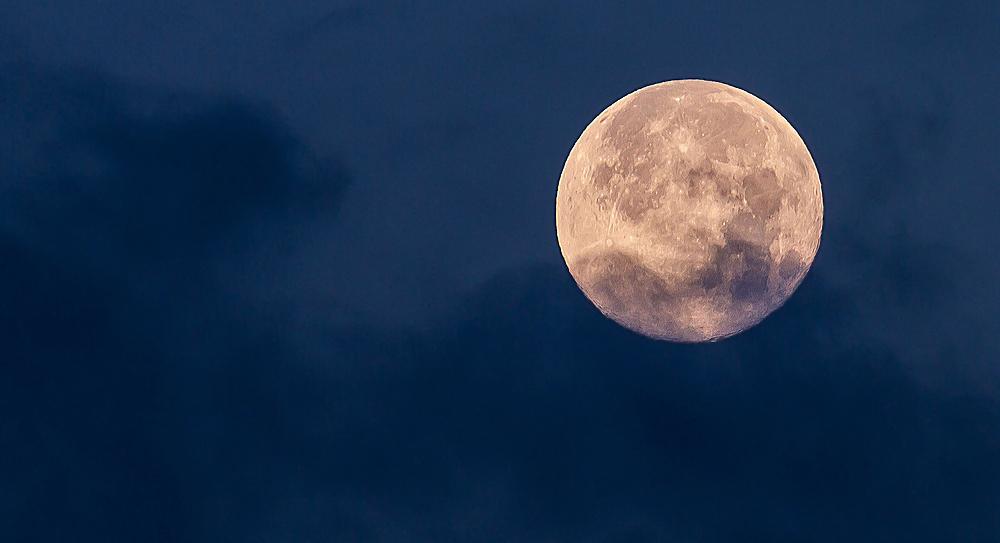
{"x": 140, "y": 400}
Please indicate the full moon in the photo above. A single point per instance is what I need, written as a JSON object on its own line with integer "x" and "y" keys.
{"x": 689, "y": 211}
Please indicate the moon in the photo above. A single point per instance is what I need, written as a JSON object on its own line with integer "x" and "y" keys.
{"x": 689, "y": 210}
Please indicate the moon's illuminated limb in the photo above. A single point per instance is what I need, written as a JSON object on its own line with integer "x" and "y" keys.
{"x": 689, "y": 210}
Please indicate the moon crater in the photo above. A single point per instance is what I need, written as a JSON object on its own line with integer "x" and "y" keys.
{"x": 689, "y": 210}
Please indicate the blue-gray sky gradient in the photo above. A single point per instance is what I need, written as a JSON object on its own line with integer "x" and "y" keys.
{"x": 288, "y": 272}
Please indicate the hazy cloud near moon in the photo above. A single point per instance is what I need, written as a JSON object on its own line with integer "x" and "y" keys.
{"x": 192, "y": 414}
{"x": 186, "y": 413}
{"x": 541, "y": 68}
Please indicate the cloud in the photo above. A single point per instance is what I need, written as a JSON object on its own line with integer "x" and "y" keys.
{"x": 108, "y": 171}
{"x": 535, "y": 418}
{"x": 183, "y": 413}
{"x": 116, "y": 202}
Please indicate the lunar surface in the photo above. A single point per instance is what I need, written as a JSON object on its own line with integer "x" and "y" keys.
{"x": 689, "y": 210}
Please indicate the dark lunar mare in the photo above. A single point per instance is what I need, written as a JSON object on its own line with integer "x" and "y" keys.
{"x": 745, "y": 267}
{"x": 763, "y": 192}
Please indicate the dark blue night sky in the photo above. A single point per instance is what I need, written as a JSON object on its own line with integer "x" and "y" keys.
{"x": 286, "y": 271}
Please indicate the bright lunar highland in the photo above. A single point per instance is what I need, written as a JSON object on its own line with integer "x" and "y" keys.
{"x": 689, "y": 210}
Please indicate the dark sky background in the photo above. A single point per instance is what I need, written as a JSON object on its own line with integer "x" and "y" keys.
{"x": 286, "y": 271}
